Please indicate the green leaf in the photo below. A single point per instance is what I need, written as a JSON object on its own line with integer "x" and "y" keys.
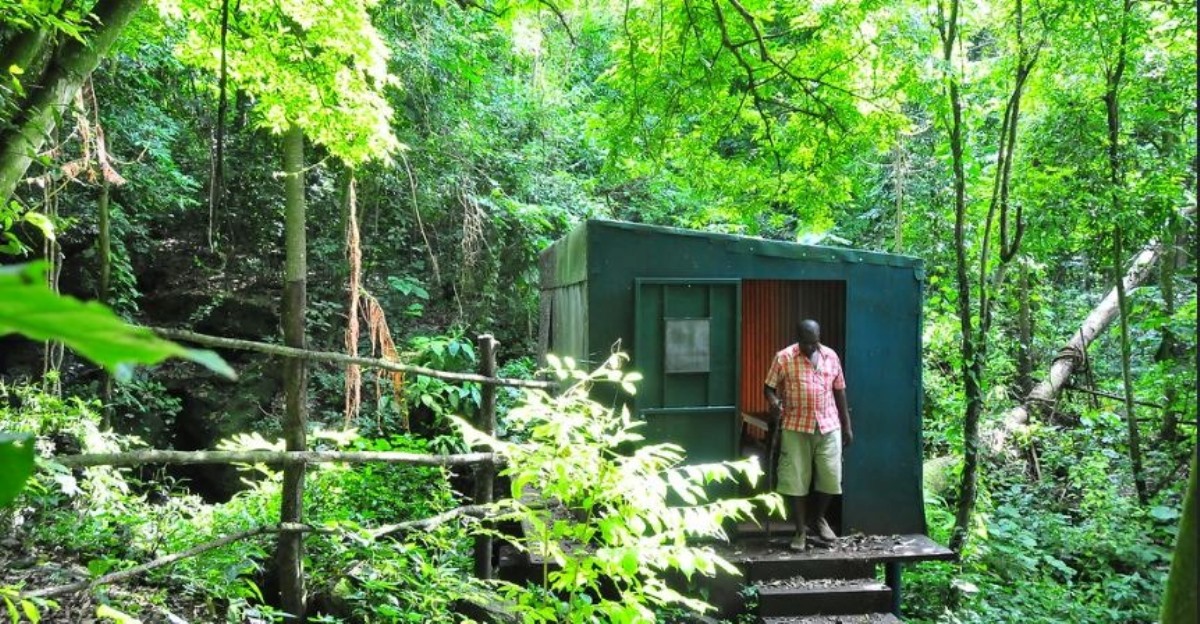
{"x": 1165, "y": 514}
{"x": 630, "y": 563}
{"x": 12, "y": 245}
{"x": 211, "y": 361}
{"x": 31, "y": 612}
{"x": 686, "y": 563}
{"x": 1058, "y": 564}
{"x": 16, "y": 464}
{"x": 30, "y": 308}
{"x": 105, "y": 611}
{"x": 41, "y": 222}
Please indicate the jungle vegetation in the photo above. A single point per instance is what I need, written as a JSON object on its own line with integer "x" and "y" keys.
{"x": 377, "y": 178}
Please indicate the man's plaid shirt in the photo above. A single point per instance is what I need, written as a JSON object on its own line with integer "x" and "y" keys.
{"x": 806, "y": 389}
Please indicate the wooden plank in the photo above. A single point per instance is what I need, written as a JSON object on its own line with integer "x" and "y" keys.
{"x": 765, "y": 569}
{"x": 755, "y": 422}
{"x": 823, "y": 597}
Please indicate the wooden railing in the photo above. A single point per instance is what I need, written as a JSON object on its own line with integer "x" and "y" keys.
{"x": 484, "y": 463}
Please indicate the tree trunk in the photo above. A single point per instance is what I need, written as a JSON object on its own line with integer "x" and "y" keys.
{"x": 1179, "y": 601}
{"x": 1024, "y": 334}
{"x": 899, "y": 178}
{"x": 30, "y": 50}
{"x": 295, "y": 375}
{"x": 971, "y": 363}
{"x": 353, "y": 253}
{"x": 61, "y": 80}
{"x": 1072, "y": 355}
{"x": 1135, "y": 445}
{"x": 1169, "y": 430}
{"x": 1112, "y": 109}
{"x": 104, "y": 242}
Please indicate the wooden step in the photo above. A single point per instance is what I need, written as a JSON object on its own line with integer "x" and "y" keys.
{"x": 802, "y": 596}
{"x": 770, "y": 569}
{"x": 865, "y": 618}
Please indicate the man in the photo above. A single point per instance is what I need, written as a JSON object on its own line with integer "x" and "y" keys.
{"x": 806, "y": 391}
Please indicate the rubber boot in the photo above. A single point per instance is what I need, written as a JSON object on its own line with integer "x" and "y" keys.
{"x": 800, "y": 541}
{"x": 817, "y": 521}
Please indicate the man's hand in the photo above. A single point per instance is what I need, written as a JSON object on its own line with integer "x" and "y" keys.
{"x": 775, "y": 412}
{"x": 847, "y": 437}
{"x": 774, "y": 404}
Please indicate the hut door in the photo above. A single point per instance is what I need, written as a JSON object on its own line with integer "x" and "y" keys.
{"x": 686, "y": 344}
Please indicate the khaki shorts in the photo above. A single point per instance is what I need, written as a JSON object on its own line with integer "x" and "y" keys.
{"x": 799, "y": 453}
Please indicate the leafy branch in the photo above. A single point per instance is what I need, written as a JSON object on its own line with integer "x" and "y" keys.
{"x": 606, "y": 513}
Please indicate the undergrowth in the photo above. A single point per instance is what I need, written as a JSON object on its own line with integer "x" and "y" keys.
{"x": 1074, "y": 546}
{"x": 101, "y": 520}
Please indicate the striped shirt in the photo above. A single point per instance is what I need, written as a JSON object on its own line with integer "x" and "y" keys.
{"x": 806, "y": 389}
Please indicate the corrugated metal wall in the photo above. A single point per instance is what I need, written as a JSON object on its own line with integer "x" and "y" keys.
{"x": 568, "y": 322}
{"x": 770, "y": 311}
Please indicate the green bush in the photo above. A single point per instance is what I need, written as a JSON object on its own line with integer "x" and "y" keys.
{"x": 609, "y": 515}
{"x": 103, "y": 519}
{"x": 1074, "y": 547}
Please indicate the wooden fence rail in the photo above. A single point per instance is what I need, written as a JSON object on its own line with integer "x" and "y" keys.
{"x": 271, "y": 458}
{"x": 484, "y": 463}
{"x": 199, "y": 549}
{"x": 341, "y": 358}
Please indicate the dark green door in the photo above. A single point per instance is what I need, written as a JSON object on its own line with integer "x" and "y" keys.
{"x": 686, "y": 344}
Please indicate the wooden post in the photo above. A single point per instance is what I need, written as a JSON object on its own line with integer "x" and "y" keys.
{"x": 485, "y": 472}
{"x": 893, "y": 578}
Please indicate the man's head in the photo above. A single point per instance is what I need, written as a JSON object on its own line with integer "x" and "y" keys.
{"x": 808, "y": 336}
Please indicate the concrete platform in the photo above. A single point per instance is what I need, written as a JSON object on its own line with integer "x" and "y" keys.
{"x": 865, "y": 548}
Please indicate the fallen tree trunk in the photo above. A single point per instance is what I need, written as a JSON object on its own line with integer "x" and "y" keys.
{"x": 1074, "y": 354}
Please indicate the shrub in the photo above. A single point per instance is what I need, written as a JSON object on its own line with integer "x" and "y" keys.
{"x": 618, "y": 514}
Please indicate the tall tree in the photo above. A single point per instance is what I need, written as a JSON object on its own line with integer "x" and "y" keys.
{"x": 1004, "y": 222}
{"x": 295, "y": 373}
{"x": 315, "y": 71}
{"x": 1114, "y": 73}
{"x": 1180, "y": 604}
{"x": 69, "y": 62}
{"x": 972, "y": 364}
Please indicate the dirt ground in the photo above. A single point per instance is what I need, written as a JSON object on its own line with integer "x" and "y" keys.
{"x": 35, "y": 570}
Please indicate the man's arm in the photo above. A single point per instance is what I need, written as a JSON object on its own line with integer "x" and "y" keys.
{"x": 773, "y": 401}
{"x": 839, "y": 398}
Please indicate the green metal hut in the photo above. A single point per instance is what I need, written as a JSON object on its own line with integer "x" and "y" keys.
{"x": 702, "y": 315}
